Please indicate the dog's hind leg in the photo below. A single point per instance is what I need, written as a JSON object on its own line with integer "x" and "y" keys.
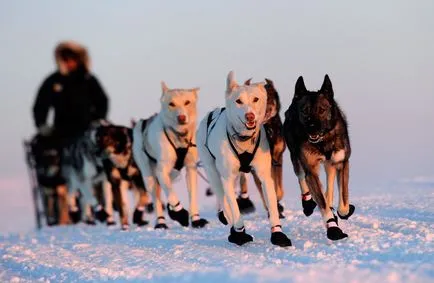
{"x": 244, "y": 203}
{"x": 331, "y": 176}
{"x": 345, "y": 209}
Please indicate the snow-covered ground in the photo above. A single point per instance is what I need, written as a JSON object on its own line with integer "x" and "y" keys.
{"x": 391, "y": 239}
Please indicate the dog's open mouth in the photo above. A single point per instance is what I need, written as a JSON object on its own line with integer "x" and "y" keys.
{"x": 250, "y": 125}
{"x": 315, "y": 138}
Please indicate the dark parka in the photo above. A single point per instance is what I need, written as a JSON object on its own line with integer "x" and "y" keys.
{"x": 77, "y": 97}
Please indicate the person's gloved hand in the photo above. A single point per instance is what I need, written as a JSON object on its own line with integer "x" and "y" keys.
{"x": 45, "y": 130}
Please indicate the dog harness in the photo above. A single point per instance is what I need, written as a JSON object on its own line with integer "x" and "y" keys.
{"x": 181, "y": 152}
{"x": 245, "y": 158}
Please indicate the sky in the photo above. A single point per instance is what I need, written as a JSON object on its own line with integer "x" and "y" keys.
{"x": 378, "y": 54}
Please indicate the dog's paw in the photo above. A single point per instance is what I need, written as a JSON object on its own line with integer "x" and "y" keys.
{"x": 350, "y": 212}
{"x": 209, "y": 192}
{"x": 101, "y": 215}
{"x": 181, "y": 216}
{"x": 239, "y": 238}
{"x": 75, "y": 216}
{"x": 125, "y": 227}
{"x": 149, "y": 207}
{"x": 138, "y": 218}
{"x": 334, "y": 233}
{"x": 200, "y": 223}
{"x": 222, "y": 217}
{"x": 308, "y": 204}
{"x": 111, "y": 223}
{"x": 280, "y": 239}
{"x": 161, "y": 226}
{"x": 246, "y": 205}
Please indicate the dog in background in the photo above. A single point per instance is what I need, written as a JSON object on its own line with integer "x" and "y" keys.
{"x": 316, "y": 132}
{"x": 162, "y": 146}
{"x": 273, "y": 130}
{"x": 232, "y": 140}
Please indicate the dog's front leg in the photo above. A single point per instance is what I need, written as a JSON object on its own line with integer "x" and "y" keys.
{"x": 124, "y": 204}
{"x": 331, "y": 175}
{"x": 345, "y": 209}
{"x": 108, "y": 201}
{"x": 175, "y": 209}
{"x": 238, "y": 233}
{"x": 196, "y": 221}
{"x": 313, "y": 181}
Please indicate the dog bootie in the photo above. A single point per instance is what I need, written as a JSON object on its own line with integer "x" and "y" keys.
{"x": 150, "y": 207}
{"x": 280, "y": 209}
{"x": 222, "y": 217}
{"x": 138, "y": 217}
{"x": 178, "y": 213}
{"x": 75, "y": 216}
{"x": 100, "y": 214}
{"x": 110, "y": 222}
{"x": 197, "y": 222}
{"x": 278, "y": 238}
{"x": 125, "y": 227}
{"x": 245, "y": 204}
{"x": 161, "y": 223}
{"x": 209, "y": 192}
{"x": 308, "y": 204}
{"x": 334, "y": 233}
{"x": 239, "y": 236}
{"x": 350, "y": 212}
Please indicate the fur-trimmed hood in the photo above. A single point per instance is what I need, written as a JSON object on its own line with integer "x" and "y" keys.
{"x": 76, "y": 47}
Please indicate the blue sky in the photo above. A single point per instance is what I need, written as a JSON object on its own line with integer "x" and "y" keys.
{"x": 379, "y": 55}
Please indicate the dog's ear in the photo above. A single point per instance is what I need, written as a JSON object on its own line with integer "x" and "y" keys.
{"x": 195, "y": 91}
{"x": 164, "y": 87}
{"x": 248, "y": 81}
{"x": 327, "y": 87}
{"x": 133, "y": 122}
{"x": 270, "y": 82}
{"x": 300, "y": 88}
{"x": 230, "y": 83}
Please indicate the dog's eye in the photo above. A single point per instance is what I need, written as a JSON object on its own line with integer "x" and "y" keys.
{"x": 239, "y": 101}
{"x": 171, "y": 104}
{"x": 255, "y": 99}
{"x": 187, "y": 102}
{"x": 321, "y": 111}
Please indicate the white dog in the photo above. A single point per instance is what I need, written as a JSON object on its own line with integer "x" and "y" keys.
{"x": 162, "y": 146}
{"x": 233, "y": 140}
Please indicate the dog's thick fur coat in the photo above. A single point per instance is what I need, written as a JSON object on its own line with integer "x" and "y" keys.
{"x": 316, "y": 132}
{"x": 223, "y": 138}
{"x": 157, "y": 143}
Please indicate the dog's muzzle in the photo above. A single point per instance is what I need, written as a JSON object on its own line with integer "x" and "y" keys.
{"x": 315, "y": 138}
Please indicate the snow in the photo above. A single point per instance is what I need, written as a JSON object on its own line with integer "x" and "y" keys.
{"x": 391, "y": 239}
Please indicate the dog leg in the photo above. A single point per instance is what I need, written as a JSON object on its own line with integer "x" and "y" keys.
{"x": 108, "y": 202}
{"x": 62, "y": 201}
{"x": 196, "y": 220}
{"x": 307, "y": 201}
{"x": 176, "y": 211}
{"x": 277, "y": 175}
{"x": 244, "y": 203}
{"x": 312, "y": 178}
{"x": 124, "y": 204}
{"x": 89, "y": 202}
{"x": 238, "y": 233}
{"x": 161, "y": 220}
{"x": 331, "y": 175}
{"x": 269, "y": 192}
{"x": 141, "y": 200}
{"x": 345, "y": 209}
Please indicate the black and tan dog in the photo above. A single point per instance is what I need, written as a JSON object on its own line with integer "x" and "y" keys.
{"x": 122, "y": 173}
{"x": 273, "y": 129}
{"x": 316, "y": 132}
